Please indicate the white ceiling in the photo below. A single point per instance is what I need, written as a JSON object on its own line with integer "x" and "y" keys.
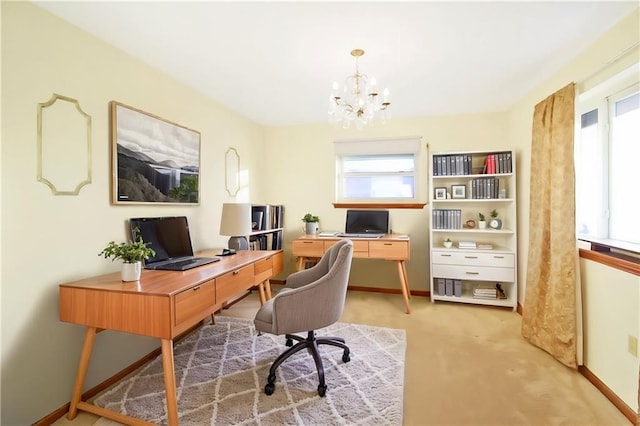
{"x": 274, "y": 62}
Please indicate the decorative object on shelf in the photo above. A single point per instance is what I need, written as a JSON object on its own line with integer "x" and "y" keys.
{"x": 458, "y": 191}
{"x": 163, "y": 169}
{"x": 236, "y": 224}
{"x": 131, "y": 253}
{"x": 310, "y": 223}
{"x": 495, "y": 222}
{"x": 470, "y": 224}
{"x": 482, "y": 223}
{"x": 64, "y": 145}
{"x": 440, "y": 193}
{"x": 447, "y": 242}
{"x": 359, "y": 100}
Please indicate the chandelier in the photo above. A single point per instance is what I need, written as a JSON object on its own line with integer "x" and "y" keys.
{"x": 358, "y": 100}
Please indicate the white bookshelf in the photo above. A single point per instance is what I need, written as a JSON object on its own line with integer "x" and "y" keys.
{"x": 473, "y": 267}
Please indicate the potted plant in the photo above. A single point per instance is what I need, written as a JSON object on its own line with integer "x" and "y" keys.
{"x": 447, "y": 242}
{"x": 482, "y": 223}
{"x": 495, "y": 222}
{"x": 311, "y": 223}
{"x": 132, "y": 253}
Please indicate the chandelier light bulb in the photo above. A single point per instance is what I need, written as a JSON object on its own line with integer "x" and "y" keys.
{"x": 360, "y": 100}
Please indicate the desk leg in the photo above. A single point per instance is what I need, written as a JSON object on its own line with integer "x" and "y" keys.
{"x": 406, "y": 278}
{"x": 300, "y": 263}
{"x": 81, "y": 375}
{"x": 169, "y": 381}
{"x": 261, "y": 293}
{"x": 267, "y": 287}
{"x": 403, "y": 285}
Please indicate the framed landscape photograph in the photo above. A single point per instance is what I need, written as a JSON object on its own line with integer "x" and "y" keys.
{"x": 153, "y": 160}
{"x": 458, "y": 191}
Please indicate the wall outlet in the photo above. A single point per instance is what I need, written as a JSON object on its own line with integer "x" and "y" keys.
{"x": 633, "y": 345}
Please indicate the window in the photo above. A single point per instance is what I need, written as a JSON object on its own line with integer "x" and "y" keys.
{"x": 607, "y": 158}
{"x": 377, "y": 171}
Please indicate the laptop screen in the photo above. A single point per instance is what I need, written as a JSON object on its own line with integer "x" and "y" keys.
{"x": 168, "y": 236}
{"x": 367, "y": 221}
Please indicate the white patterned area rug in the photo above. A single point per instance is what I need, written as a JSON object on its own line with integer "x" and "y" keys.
{"x": 221, "y": 371}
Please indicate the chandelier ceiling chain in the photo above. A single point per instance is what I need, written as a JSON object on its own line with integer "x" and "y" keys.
{"x": 358, "y": 100}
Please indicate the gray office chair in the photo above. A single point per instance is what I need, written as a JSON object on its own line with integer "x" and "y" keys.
{"x": 312, "y": 298}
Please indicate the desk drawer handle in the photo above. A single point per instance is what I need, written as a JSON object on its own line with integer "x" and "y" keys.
{"x": 472, "y": 273}
{"x": 471, "y": 257}
{"x": 388, "y": 244}
{"x": 196, "y": 288}
{"x": 307, "y": 242}
{"x": 235, "y": 272}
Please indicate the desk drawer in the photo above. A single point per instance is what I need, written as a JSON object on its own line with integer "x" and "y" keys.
{"x": 262, "y": 270}
{"x": 359, "y": 246}
{"x": 477, "y": 273}
{"x": 395, "y": 250}
{"x": 278, "y": 263}
{"x": 308, "y": 248}
{"x": 500, "y": 260}
{"x": 194, "y": 303}
{"x": 232, "y": 283}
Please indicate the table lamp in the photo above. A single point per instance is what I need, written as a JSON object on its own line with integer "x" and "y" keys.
{"x": 236, "y": 223}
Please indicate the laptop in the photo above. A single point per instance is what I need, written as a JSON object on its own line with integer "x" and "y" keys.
{"x": 366, "y": 224}
{"x": 169, "y": 237}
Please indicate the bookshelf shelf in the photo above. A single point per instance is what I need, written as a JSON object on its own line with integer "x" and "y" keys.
{"x": 488, "y": 179}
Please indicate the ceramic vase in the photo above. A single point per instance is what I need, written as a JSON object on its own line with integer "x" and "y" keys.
{"x": 311, "y": 228}
{"x": 131, "y": 271}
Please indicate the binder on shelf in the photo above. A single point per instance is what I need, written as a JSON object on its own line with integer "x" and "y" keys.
{"x": 448, "y": 287}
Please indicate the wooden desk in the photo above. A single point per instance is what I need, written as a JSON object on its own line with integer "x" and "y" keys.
{"x": 394, "y": 247}
{"x": 162, "y": 304}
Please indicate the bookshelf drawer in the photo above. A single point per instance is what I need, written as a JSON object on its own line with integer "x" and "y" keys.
{"x": 499, "y": 260}
{"x": 194, "y": 303}
{"x": 308, "y": 248}
{"x": 479, "y": 273}
{"x": 228, "y": 285}
{"x": 397, "y": 250}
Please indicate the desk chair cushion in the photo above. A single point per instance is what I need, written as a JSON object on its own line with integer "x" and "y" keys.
{"x": 312, "y": 298}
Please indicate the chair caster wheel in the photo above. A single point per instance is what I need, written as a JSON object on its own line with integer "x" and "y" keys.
{"x": 346, "y": 357}
{"x": 289, "y": 342}
{"x": 322, "y": 390}
{"x": 269, "y": 388}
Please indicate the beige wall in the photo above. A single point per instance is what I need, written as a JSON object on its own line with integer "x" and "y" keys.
{"x": 47, "y": 239}
{"x": 306, "y": 182}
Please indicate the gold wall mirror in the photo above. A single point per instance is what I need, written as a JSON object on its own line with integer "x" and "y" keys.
{"x": 232, "y": 171}
{"x": 64, "y": 145}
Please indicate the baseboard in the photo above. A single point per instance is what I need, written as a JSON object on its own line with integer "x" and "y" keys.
{"x": 387, "y": 290}
{"x": 609, "y": 394}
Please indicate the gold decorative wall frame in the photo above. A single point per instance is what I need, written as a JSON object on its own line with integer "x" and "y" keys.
{"x": 232, "y": 171}
{"x": 62, "y": 144}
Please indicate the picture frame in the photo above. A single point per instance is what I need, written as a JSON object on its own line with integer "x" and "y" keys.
{"x": 458, "y": 191}
{"x": 153, "y": 160}
{"x": 440, "y": 193}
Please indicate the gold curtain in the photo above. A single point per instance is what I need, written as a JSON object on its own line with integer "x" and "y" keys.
{"x": 549, "y": 312}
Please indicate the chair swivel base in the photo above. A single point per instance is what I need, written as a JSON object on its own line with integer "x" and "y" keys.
{"x": 311, "y": 343}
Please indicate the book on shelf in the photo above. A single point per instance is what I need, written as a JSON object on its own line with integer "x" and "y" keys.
{"x": 466, "y": 244}
{"x": 484, "y": 246}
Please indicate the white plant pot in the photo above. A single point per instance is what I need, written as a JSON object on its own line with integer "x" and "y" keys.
{"x": 131, "y": 271}
{"x": 448, "y": 244}
{"x": 311, "y": 228}
{"x": 482, "y": 224}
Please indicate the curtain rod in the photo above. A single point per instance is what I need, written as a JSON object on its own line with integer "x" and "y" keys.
{"x": 611, "y": 61}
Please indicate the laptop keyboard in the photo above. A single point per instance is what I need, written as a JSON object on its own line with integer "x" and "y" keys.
{"x": 356, "y": 235}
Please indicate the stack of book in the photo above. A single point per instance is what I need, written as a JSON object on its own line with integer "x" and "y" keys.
{"x": 467, "y": 244}
{"x": 485, "y": 292}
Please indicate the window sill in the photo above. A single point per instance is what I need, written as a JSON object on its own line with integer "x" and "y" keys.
{"x": 379, "y": 205}
{"x": 603, "y": 254}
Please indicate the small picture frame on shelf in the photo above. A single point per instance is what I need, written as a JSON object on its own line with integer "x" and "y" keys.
{"x": 440, "y": 193}
{"x": 458, "y": 191}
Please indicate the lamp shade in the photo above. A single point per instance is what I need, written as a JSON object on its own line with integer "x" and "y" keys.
{"x": 236, "y": 219}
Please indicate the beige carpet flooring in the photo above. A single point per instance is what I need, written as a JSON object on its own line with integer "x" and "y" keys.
{"x": 468, "y": 365}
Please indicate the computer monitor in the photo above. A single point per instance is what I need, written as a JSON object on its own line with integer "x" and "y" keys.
{"x": 168, "y": 236}
{"x": 367, "y": 222}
